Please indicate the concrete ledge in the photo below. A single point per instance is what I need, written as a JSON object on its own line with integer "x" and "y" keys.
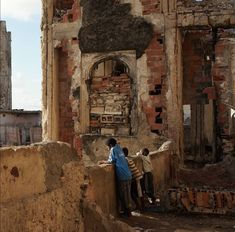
{"x": 34, "y": 169}
{"x": 206, "y": 19}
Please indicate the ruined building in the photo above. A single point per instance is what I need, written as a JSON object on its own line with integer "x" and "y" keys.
{"x": 5, "y": 67}
{"x": 143, "y": 71}
{"x": 20, "y": 127}
{"x": 140, "y": 70}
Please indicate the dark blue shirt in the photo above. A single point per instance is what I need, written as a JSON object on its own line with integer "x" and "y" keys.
{"x": 118, "y": 158}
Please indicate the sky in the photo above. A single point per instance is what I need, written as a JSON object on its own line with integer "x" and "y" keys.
{"x": 23, "y": 21}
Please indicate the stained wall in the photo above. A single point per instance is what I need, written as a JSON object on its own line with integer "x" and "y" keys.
{"x": 46, "y": 186}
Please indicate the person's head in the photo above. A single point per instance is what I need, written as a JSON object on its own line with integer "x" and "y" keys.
{"x": 145, "y": 151}
{"x": 111, "y": 142}
{"x": 125, "y": 151}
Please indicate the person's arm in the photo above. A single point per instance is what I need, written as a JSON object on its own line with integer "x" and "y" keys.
{"x": 110, "y": 159}
{"x": 103, "y": 162}
{"x": 134, "y": 155}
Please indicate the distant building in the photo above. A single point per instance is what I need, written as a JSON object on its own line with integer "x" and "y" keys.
{"x": 5, "y": 67}
{"x": 17, "y": 127}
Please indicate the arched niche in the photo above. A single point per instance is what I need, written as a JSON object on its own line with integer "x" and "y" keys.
{"x": 108, "y": 94}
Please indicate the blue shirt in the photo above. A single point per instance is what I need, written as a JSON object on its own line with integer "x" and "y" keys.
{"x": 118, "y": 158}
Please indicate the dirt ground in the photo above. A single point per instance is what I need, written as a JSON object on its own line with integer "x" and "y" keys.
{"x": 153, "y": 221}
{"x": 214, "y": 176}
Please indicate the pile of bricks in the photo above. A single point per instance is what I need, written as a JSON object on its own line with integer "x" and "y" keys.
{"x": 66, "y": 11}
{"x": 110, "y": 101}
{"x": 201, "y": 200}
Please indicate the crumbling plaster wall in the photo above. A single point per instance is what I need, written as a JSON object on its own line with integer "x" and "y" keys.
{"x": 158, "y": 72}
{"x": 63, "y": 35}
{"x": 45, "y": 187}
{"x": 94, "y": 148}
{"x": 211, "y": 5}
{"x": 217, "y": 17}
{"x": 223, "y": 76}
{"x": 37, "y": 184}
{"x": 206, "y": 13}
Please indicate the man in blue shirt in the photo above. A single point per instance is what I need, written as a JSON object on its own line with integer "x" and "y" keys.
{"x": 123, "y": 174}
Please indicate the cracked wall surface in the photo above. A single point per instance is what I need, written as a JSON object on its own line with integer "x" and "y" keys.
{"x": 37, "y": 185}
{"x": 46, "y": 187}
{"x": 79, "y": 34}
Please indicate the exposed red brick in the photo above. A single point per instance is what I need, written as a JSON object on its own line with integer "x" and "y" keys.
{"x": 211, "y": 93}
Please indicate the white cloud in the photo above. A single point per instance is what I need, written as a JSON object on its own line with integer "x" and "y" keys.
{"x": 26, "y": 92}
{"x": 21, "y": 9}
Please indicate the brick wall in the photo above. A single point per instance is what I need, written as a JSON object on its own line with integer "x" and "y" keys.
{"x": 66, "y": 11}
{"x": 208, "y": 74}
{"x": 65, "y": 111}
{"x": 110, "y": 100}
{"x": 151, "y": 6}
{"x": 201, "y": 200}
{"x": 198, "y": 95}
{"x": 197, "y": 60}
{"x": 64, "y": 4}
{"x": 154, "y": 108}
{"x": 223, "y": 74}
{"x": 210, "y": 5}
{"x": 220, "y": 75}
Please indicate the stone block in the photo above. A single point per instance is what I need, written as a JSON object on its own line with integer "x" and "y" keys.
{"x": 113, "y": 109}
{"x": 211, "y": 93}
{"x": 106, "y": 119}
{"x": 120, "y": 119}
{"x": 65, "y": 30}
{"x": 97, "y": 110}
{"x": 108, "y": 131}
